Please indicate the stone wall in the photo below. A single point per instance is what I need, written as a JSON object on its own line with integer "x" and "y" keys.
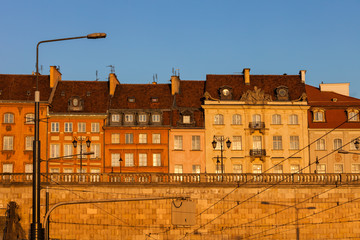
{"x": 224, "y": 211}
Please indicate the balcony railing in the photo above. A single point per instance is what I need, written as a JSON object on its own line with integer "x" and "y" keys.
{"x": 257, "y": 152}
{"x": 178, "y": 179}
{"x": 257, "y": 126}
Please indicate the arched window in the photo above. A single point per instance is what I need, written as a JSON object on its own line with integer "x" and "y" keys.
{"x": 276, "y": 119}
{"x": 8, "y": 118}
{"x": 293, "y": 119}
{"x": 353, "y": 115}
{"x": 236, "y": 119}
{"x": 337, "y": 143}
{"x": 219, "y": 119}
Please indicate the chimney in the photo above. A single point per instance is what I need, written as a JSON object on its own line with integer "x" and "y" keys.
{"x": 175, "y": 84}
{"x": 246, "y": 73}
{"x": 302, "y": 75}
{"x": 55, "y": 76}
{"x": 113, "y": 81}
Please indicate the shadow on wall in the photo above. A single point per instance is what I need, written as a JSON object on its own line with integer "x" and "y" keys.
{"x": 11, "y": 223}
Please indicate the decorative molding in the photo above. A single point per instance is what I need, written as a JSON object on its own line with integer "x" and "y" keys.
{"x": 256, "y": 96}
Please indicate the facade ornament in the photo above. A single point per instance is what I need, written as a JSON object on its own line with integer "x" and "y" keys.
{"x": 257, "y": 96}
{"x": 207, "y": 96}
{"x": 302, "y": 98}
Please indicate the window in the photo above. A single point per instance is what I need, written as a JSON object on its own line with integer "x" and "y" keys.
{"x": 196, "y": 169}
{"x": 81, "y": 127}
{"x": 178, "y": 168}
{"x": 84, "y": 149}
{"x": 29, "y": 118}
{"x": 129, "y": 138}
{"x": 28, "y": 170}
{"x": 256, "y": 119}
{"x": 218, "y": 168}
{"x": 68, "y": 150}
{"x": 54, "y": 150}
{"x": 142, "y": 159}
{"x": 7, "y": 168}
{"x": 278, "y": 169}
{"x": 337, "y": 143}
{"x": 8, "y": 118}
{"x": 355, "y": 168}
{"x": 68, "y": 127}
{"x": 195, "y": 142}
{"x": 129, "y": 118}
{"x": 295, "y": 168}
{"x": 156, "y": 138}
{"x": 218, "y": 143}
{"x": 257, "y": 142}
{"x": 129, "y": 159}
{"x": 8, "y": 143}
{"x": 276, "y": 119}
{"x": 257, "y": 168}
{"x": 142, "y": 138}
{"x": 237, "y": 143}
{"x": 186, "y": 119}
{"x": 320, "y": 144}
{"x": 178, "y": 142}
{"x": 219, "y": 119}
{"x": 319, "y": 116}
{"x": 236, "y": 119}
{"x": 95, "y": 127}
{"x": 29, "y": 140}
{"x": 293, "y": 119}
{"x": 142, "y": 118}
{"x": 115, "y": 138}
{"x": 338, "y": 168}
{"x": 96, "y": 149}
{"x": 277, "y": 142}
{"x": 54, "y": 127}
{"x": 156, "y": 159}
{"x": 156, "y": 118}
{"x": 294, "y": 142}
{"x": 115, "y": 117}
{"x": 353, "y": 116}
{"x": 115, "y": 159}
{"x": 321, "y": 168}
{"x": 237, "y": 168}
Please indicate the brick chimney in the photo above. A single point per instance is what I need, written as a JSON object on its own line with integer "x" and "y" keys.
{"x": 55, "y": 76}
{"x": 302, "y": 75}
{"x": 175, "y": 84}
{"x": 113, "y": 81}
{"x": 246, "y": 73}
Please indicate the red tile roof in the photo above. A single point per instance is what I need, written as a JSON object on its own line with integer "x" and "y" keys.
{"x": 319, "y": 98}
{"x": 267, "y": 83}
{"x": 23, "y": 87}
{"x": 191, "y": 94}
{"x": 97, "y": 102}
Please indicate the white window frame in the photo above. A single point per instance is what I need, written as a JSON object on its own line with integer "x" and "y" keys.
{"x": 95, "y": 127}
{"x": 29, "y": 141}
{"x": 277, "y": 143}
{"x": 9, "y": 118}
{"x": 129, "y": 160}
{"x": 68, "y": 150}
{"x": 321, "y": 168}
{"x": 337, "y": 143}
{"x": 236, "y": 143}
{"x": 178, "y": 168}
{"x": 129, "y": 138}
{"x": 142, "y": 118}
{"x": 55, "y": 127}
{"x": 257, "y": 168}
{"x": 237, "y": 168}
{"x": 96, "y": 148}
{"x": 196, "y": 169}
{"x": 115, "y": 117}
{"x": 319, "y": 116}
{"x": 278, "y": 169}
{"x": 219, "y": 119}
{"x": 156, "y": 159}
{"x": 353, "y": 116}
{"x": 320, "y": 144}
{"x": 156, "y": 118}
{"x": 8, "y": 143}
{"x": 8, "y": 168}
{"x": 178, "y": 142}
{"x": 143, "y": 138}
{"x": 68, "y": 127}
{"x": 115, "y": 138}
{"x": 294, "y": 143}
{"x": 339, "y": 168}
{"x": 54, "y": 150}
{"x": 236, "y": 119}
{"x": 293, "y": 119}
{"x": 276, "y": 119}
{"x": 30, "y": 118}
{"x": 115, "y": 159}
{"x": 355, "y": 168}
{"x": 294, "y": 168}
{"x": 186, "y": 119}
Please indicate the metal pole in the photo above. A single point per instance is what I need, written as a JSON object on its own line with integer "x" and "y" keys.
{"x": 297, "y": 224}
{"x": 222, "y": 159}
{"x": 80, "y": 158}
{"x": 47, "y": 199}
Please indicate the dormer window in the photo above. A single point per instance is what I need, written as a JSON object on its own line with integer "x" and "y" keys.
{"x": 75, "y": 104}
{"x": 156, "y": 118}
{"x": 318, "y": 115}
{"x": 186, "y": 119}
{"x": 353, "y": 115}
{"x": 142, "y": 118}
{"x": 115, "y": 117}
{"x": 129, "y": 118}
{"x": 62, "y": 93}
{"x": 131, "y": 99}
{"x": 225, "y": 93}
{"x": 282, "y": 93}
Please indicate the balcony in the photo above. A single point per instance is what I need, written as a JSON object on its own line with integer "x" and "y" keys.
{"x": 257, "y": 126}
{"x": 257, "y": 153}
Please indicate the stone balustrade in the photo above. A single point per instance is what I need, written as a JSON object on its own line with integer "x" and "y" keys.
{"x": 172, "y": 178}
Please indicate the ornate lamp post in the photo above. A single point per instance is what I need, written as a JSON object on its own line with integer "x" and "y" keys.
{"x": 81, "y": 140}
{"x": 221, "y": 140}
{"x": 36, "y": 232}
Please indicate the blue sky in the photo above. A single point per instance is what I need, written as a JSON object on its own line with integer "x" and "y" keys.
{"x": 147, "y": 37}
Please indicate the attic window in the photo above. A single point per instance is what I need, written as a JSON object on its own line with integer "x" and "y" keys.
{"x": 88, "y": 93}
{"x": 63, "y": 94}
{"x": 154, "y": 99}
{"x": 131, "y": 99}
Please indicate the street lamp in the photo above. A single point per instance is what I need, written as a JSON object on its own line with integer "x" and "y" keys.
{"x": 36, "y": 232}
{"x": 221, "y": 140}
{"x": 296, "y": 212}
{"x": 357, "y": 145}
{"x": 120, "y": 160}
{"x": 81, "y": 140}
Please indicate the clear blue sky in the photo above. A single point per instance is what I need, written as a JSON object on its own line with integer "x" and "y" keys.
{"x": 198, "y": 37}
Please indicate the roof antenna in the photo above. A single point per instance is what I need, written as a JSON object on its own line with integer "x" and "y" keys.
{"x": 41, "y": 68}
{"x": 173, "y": 73}
{"x": 97, "y": 77}
{"x": 155, "y": 78}
{"x": 112, "y": 68}
{"x": 178, "y": 72}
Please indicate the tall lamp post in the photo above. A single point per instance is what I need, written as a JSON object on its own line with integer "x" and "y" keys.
{"x": 221, "y": 140}
{"x": 81, "y": 140}
{"x": 37, "y": 232}
{"x": 296, "y": 214}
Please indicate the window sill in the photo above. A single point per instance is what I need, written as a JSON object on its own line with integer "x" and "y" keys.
{"x": 196, "y": 150}
{"x": 178, "y": 150}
